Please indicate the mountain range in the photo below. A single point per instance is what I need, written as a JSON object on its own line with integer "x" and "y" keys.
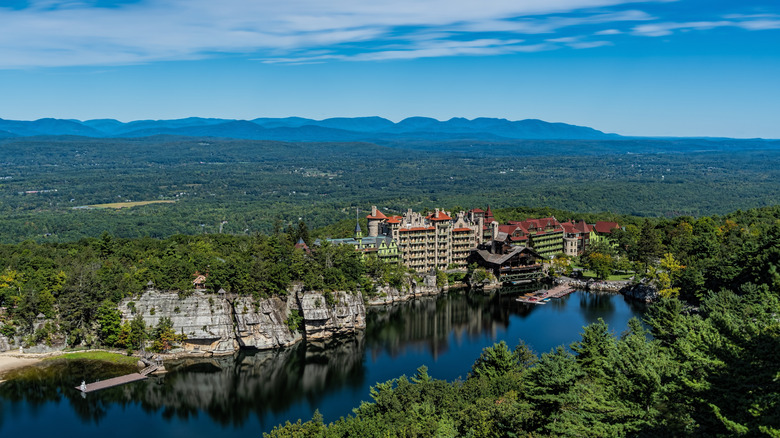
{"x": 302, "y": 129}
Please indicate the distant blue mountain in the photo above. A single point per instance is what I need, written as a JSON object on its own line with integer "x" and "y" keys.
{"x": 48, "y": 127}
{"x": 302, "y": 129}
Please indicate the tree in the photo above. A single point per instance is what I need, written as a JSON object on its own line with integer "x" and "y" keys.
{"x": 137, "y": 332}
{"x": 110, "y": 321}
{"x": 494, "y": 361}
{"x": 649, "y": 244}
{"x": 601, "y": 264}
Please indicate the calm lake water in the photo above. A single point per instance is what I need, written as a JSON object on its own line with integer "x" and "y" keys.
{"x": 249, "y": 393}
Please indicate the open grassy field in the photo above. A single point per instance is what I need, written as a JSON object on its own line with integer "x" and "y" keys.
{"x": 118, "y": 205}
{"x": 104, "y": 356}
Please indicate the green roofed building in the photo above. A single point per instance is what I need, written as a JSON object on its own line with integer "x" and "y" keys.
{"x": 383, "y": 246}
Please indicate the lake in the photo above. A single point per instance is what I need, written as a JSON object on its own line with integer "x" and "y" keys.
{"x": 251, "y": 392}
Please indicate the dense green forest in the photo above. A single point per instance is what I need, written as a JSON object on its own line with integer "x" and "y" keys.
{"x": 709, "y": 373}
{"x": 708, "y": 366}
{"x": 703, "y": 226}
{"x": 48, "y": 183}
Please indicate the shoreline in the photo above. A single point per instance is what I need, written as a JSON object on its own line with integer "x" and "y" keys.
{"x": 13, "y": 361}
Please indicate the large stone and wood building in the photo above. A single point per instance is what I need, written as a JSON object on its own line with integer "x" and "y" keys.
{"x": 509, "y": 263}
{"x": 381, "y": 245}
{"x": 435, "y": 241}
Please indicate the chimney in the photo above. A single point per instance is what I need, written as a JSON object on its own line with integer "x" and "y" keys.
{"x": 437, "y": 213}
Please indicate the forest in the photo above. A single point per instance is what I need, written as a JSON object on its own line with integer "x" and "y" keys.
{"x": 704, "y": 364}
{"x": 703, "y": 226}
{"x": 61, "y": 189}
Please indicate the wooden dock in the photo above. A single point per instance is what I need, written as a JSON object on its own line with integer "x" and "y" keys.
{"x": 110, "y": 383}
{"x": 542, "y": 296}
{"x": 116, "y": 381}
{"x": 560, "y": 291}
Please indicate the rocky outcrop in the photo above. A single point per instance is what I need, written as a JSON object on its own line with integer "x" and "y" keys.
{"x": 5, "y": 343}
{"x": 339, "y": 314}
{"x": 593, "y": 285}
{"x": 219, "y": 324}
{"x": 641, "y": 292}
{"x": 412, "y": 288}
{"x": 206, "y": 320}
{"x": 262, "y": 324}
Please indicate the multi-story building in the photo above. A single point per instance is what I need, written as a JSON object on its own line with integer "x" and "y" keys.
{"x": 576, "y": 237}
{"x": 435, "y": 241}
{"x": 544, "y": 235}
{"x": 381, "y": 245}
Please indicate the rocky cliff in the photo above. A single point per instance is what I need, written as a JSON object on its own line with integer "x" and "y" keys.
{"x": 205, "y": 319}
{"x": 221, "y": 324}
{"x": 641, "y": 292}
{"x": 337, "y": 314}
{"x": 411, "y": 288}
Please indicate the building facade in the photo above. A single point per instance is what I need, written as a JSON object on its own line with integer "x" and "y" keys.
{"x": 435, "y": 241}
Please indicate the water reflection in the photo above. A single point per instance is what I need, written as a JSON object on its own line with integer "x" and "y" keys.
{"x": 234, "y": 393}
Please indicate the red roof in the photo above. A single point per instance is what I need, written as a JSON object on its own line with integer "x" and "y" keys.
{"x": 582, "y": 227}
{"x": 440, "y": 217}
{"x": 416, "y": 229}
{"x": 605, "y": 227}
{"x": 478, "y": 210}
{"x": 379, "y": 215}
{"x": 394, "y": 220}
{"x": 458, "y": 230}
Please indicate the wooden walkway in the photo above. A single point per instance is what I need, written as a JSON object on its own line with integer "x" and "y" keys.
{"x": 110, "y": 383}
{"x": 543, "y": 295}
{"x": 121, "y": 380}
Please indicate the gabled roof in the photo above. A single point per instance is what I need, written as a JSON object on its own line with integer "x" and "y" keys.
{"x": 477, "y": 210}
{"x": 499, "y": 259}
{"x": 582, "y": 227}
{"x": 394, "y": 219}
{"x": 605, "y": 227}
{"x": 440, "y": 216}
{"x": 379, "y": 215}
{"x": 576, "y": 228}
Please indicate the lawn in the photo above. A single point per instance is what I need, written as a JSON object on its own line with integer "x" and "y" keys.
{"x": 104, "y": 356}
{"x": 588, "y": 274}
{"x": 118, "y": 205}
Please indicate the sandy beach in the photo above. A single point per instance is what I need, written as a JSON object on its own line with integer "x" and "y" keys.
{"x": 10, "y": 361}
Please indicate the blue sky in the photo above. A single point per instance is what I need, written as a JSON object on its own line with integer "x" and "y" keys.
{"x": 676, "y": 68}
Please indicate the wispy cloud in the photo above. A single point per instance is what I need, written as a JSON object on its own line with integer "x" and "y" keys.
{"x": 747, "y": 22}
{"x": 73, "y": 32}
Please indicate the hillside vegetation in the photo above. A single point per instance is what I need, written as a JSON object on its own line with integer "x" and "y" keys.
{"x": 48, "y": 184}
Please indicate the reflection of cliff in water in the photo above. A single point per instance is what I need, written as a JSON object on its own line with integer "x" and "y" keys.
{"x": 231, "y": 388}
{"x": 428, "y": 322}
{"x": 228, "y": 389}
{"x": 55, "y": 381}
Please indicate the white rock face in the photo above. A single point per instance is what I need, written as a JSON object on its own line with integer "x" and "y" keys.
{"x": 411, "y": 289}
{"x": 345, "y": 315}
{"x": 218, "y": 325}
{"x": 4, "y": 344}
{"x": 263, "y": 324}
{"x": 205, "y": 319}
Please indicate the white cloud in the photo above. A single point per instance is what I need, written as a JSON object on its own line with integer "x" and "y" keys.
{"x": 73, "y": 32}
{"x": 69, "y": 32}
{"x": 750, "y": 23}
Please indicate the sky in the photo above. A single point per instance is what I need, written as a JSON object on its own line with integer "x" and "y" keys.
{"x": 647, "y": 68}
